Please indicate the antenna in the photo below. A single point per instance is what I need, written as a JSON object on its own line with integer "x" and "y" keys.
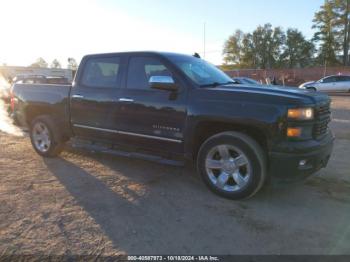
{"x": 204, "y": 40}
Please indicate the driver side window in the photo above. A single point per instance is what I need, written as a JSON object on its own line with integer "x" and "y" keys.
{"x": 328, "y": 80}
{"x": 141, "y": 69}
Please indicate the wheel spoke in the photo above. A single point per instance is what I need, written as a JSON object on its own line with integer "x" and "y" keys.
{"x": 41, "y": 137}
{"x": 214, "y": 164}
{"x": 42, "y": 128}
{"x": 37, "y": 137}
{"x": 37, "y": 130}
{"x": 45, "y": 142}
{"x": 241, "y": 161}
{"x": 224, "y": 153}
{"x": 222, "y": 180}
{"x": 237, "y": 177}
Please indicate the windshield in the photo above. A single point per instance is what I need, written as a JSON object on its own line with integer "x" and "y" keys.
{"x": 200, "y": 71}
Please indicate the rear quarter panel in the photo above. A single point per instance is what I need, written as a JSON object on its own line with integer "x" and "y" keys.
{"x": 34, "y": 100}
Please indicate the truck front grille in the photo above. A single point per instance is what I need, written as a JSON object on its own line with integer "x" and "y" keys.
{"x": 323, "y": 117}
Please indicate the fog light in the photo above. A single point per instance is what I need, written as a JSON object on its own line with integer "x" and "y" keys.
{"x": 302, "y": 163}
{"x": 294, "y": 132}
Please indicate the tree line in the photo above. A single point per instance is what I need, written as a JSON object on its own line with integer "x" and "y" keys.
{"x": 41, "y": 63}
{"x": 271, "y": 47}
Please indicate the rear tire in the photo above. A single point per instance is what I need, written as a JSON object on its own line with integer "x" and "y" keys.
{"x": 232, "y": 165}
{"x": 45, "y": 137}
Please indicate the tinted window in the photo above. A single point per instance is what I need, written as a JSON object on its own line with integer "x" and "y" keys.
{"x": 329, "y": 80}
{"x": 343, "y": 78}
{"x": 141, "y": 69}
{"x": 101, "y": 72}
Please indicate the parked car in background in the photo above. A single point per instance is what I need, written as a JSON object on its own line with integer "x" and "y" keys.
{"x": 57, "y": 80}
{"x": 335, "y": 83}
{"x": 245, "y": 81}
{"x": 5, "y": 91}
{"x": 41, "y": 79}
{"x": 28, "y": 79}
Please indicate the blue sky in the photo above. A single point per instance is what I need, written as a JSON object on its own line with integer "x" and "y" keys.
{"x": 222, "y": 17}
{"x": 73, "y": 28}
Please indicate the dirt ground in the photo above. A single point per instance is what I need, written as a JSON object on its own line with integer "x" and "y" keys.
{"x": 84, "y": 203}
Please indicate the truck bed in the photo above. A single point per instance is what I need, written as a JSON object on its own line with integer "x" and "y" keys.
{"x": 28, "y": 99}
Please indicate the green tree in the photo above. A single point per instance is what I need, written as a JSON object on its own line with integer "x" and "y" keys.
{"x": 341, "y": 9}
{"x": 233, "y": 48}
{"x": 40, "y": 62}
{"x": 298, "y": 52}
{"x": 249, "y": 56}
{"x": 268, "y": 43}
{"x": 260, "y": 49}
{"x": 72, "y": 64}
{"x": 55, "y": 64}
{"x": 325, "y": 23}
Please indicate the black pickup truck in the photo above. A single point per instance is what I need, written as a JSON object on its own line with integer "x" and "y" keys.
{"x": 176, "y": 108}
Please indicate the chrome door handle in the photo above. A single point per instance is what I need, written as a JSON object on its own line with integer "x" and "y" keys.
{"x": 77, "y": 96}
{"x": 126, "y": 100}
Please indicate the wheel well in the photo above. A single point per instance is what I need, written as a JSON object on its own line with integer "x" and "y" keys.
{"x": 311, "y": 87}
{"x": 33, "y": 112}
{"x": 207, "y": 129}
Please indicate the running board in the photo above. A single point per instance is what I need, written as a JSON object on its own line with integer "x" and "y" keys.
{"x": 92, "y": 147}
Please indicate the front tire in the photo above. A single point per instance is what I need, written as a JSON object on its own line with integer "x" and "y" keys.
{"x": 45, "y": 137}
{"x": 232, "y": 165}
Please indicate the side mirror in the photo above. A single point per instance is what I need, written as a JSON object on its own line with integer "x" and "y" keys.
{"x": 163, "y": 83}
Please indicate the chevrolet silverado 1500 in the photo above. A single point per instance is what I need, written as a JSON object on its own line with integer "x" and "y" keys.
{"x": 174, "y": 108}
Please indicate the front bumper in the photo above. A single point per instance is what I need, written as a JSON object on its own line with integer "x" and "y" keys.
{"x": 285, "y": 163}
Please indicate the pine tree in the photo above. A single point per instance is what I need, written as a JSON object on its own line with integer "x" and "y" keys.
{"x": 341, "y": 9}
{"x": 325, "y": 23}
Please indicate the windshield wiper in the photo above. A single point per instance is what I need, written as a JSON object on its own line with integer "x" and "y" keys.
{"x": 215, "y": 84}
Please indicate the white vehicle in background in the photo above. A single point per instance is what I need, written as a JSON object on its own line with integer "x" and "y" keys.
{"x": 336, "y": 83}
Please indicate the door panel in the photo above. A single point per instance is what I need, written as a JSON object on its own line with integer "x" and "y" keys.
{"x": 343, "y": 83}
{"x": 149, "y": 118}
{"x": 328, "y": 84}
{"x": 92, "y": 110}
{"x": 345, "y": 86}
{"x": 94, "y": 99}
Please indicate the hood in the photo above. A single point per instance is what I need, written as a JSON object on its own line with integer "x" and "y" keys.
{"x": 307, "y": 83}
{"x": 278, "y": 93}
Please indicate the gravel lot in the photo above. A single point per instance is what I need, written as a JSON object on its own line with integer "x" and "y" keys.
{"x": 84, "y": 203}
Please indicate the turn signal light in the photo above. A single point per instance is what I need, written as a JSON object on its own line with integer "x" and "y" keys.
{"x": 294, "y": 132}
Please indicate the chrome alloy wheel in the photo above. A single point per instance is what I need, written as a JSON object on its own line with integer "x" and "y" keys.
{"x": 41, "y": 137}
{"x": 228, "y": 168}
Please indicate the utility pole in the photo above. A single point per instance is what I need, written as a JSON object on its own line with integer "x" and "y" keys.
{"x": 204, "y": 40}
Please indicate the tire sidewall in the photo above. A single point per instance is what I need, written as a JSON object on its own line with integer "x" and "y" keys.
{"x": 257, "y": 168}
{"x": 55, "y": 142}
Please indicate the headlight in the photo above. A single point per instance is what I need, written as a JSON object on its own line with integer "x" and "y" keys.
{"x": 301, "y": 114}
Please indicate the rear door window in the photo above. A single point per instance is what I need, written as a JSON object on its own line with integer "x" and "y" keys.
{"x": 102, "y": 72}
{"x": 343, "y": 78}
